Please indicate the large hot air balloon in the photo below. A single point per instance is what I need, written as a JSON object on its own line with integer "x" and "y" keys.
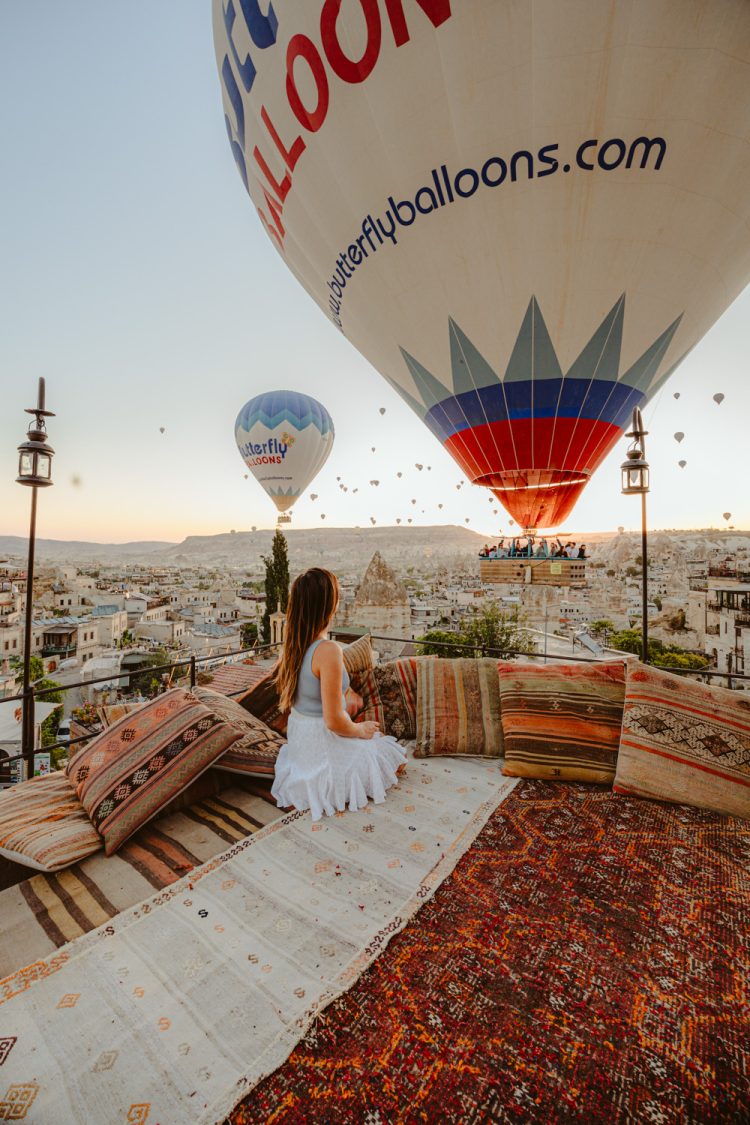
{"x": 524, "y": 215}
{"x": 284, "y": 438}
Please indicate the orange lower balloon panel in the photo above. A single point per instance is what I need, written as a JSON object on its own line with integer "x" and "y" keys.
{"x": 537, "y": 498}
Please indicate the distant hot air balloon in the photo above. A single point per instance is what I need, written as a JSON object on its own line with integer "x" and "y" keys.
{"x": 679, "y": 436}
{"x": 682, "y": 464}
{"x": 354, "y": 490}
{"x": 372, "y": 449}
{"x": 338, "y": 478}
{"x": 727, "y": 515}
{"x": 253, "y": 528}
{"x": 399, "y": 475}
{"x": 372, "y": 519}
{"x": 322, "y": 515}
{"x": 382, "y": 410}
{"x": 284, "y": 438}
{"x": 246, "y": 476}
{"x": 419, "y": 467}
{"x": 375, "y": 483}
{"x": 414, "y": 501}
{"x": 398, "y": 521}
{"x": 409, "y": 521}
{"x": 466, "y": 520}
{"x": 718, "y": 399}
{"x": 504, "y": 240}
{"x": 676, "y": 394}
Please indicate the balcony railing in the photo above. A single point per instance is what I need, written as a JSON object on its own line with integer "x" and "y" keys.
{"x": 58, "y": 650}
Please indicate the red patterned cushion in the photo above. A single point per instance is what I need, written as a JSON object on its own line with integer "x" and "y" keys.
{"x": 126, "y": 775}
{"x": 685, "y": 742}
{"x": 561, "y": 722}
{"x": 389, "y": 694}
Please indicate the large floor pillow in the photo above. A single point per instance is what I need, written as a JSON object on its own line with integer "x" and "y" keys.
{"x": 255, "y": 754}
{"x": 562, "y": 722}
{"x": 458, "y": 708}
{"x": 685, "y": 742}
{"x": 44, "y": 825}
{"x": 127, "y": 774}
{"x": 389, "y": 696}
{"x": 262, "y": 700}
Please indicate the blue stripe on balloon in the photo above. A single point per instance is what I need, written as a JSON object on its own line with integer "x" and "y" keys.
{"x": 277, "y": 407}
{"x": 598, "y": 399}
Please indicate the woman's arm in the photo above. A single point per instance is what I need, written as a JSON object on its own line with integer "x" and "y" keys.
{"x": 328, "y": 665}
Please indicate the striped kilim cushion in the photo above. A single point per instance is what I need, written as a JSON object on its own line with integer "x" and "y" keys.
{"x": 128, "y": 773}
{"x": 358, "y": 659}
{"x": 43, "y": 824}
{"x": 685, "y": 742}
{"x": 389, "y": 694}
{"x": 561, "y": 722}
{"x": 258, "y": 748}
{"x": 458, "y": 708}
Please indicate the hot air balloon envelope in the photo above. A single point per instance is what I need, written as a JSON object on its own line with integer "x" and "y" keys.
{"x": 718, "y": 399}
{"x": 679, "y": 436}
{"x": 523, "y": 214}
{"x": 284, "y": 439}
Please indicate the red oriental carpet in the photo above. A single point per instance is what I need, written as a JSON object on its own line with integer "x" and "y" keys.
{"x": 588, "y": 960}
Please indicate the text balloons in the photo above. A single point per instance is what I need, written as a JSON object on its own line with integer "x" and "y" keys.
{"x": 679, "y": 436}
{"x": 524, "y": 248}
{"x": 284, "y": 438}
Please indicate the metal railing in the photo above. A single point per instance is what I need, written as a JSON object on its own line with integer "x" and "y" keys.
{"x": 192, "y": 663}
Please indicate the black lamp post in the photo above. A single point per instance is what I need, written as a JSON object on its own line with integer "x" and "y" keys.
{"x": 35, "y": 471}
{"x": 635, "y": 482}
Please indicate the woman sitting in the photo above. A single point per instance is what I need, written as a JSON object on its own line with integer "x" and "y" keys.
{"x": 322, "y": 767}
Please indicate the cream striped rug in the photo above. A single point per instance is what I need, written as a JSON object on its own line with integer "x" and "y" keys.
{"x": 172, "y": 1011}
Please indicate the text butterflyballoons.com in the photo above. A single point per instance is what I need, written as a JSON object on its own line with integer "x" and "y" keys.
{"x": 527, "y": 365}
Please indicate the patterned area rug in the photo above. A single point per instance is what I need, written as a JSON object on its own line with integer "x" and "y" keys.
{"x": 587, "y": 961}
{"x": 170, "y": 1012}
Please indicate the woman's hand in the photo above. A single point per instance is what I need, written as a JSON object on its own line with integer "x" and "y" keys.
{"x": 368, "y": 729}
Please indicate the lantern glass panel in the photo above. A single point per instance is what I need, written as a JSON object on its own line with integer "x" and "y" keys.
{"x": 26, "y": 465}
{"x": 43, "y": 465}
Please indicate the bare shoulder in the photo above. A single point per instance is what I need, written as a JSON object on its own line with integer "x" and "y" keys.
{"x": 328, "y": 654}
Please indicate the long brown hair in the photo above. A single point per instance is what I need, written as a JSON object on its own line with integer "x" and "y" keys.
{"x": 312, "y": 603}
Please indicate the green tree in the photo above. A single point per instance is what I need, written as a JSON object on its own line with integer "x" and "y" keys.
{"x": 248, "y": 634}
{"x": 38, "y": 679}
{"x": 660, "y": 654}
{"x": 144, "y": 681}
{"x": 439, "y": 642}
{"x": 489, "y": 628}
{"x": 602, "y": 625}
{"x": 658, "y": 602}
{"x": 276, "y": 581}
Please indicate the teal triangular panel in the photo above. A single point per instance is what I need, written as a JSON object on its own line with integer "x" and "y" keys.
{"x": 600, "y": 358}
{"x": 471, "y": 371}
{"x": 533, "y": 356}
{"x": 430, "y": 389}
{"x": 643, "y": 370}
{"x": 419, "y": 409}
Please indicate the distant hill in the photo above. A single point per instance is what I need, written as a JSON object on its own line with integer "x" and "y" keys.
{"x": 335, "y": 546}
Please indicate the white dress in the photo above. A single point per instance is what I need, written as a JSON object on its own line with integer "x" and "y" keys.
{"x": 323, "y": 772}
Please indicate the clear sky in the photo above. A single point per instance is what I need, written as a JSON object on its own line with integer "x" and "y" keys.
{"x": 135, "y": 276}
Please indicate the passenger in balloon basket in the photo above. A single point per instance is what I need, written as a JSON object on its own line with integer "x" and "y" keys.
{"x": 329, "y": 762}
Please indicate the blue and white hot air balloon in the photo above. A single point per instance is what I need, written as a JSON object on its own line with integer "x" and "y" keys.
{"x": 284, "y": 438}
